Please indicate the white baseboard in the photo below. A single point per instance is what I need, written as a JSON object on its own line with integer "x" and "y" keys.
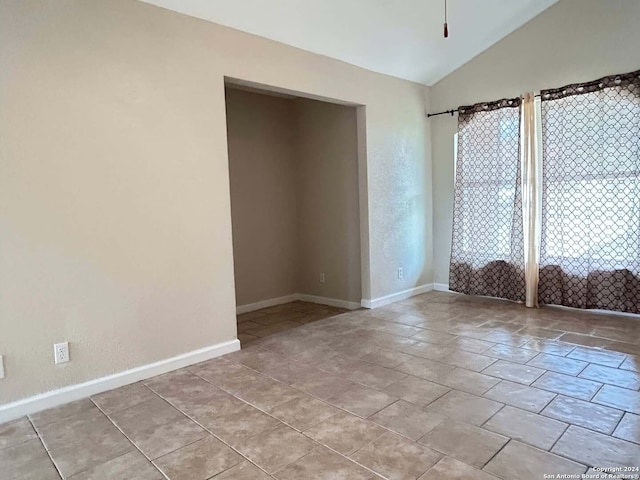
{"x": 441, "y": 287}
{"x": 333, "y": 302}
{"x": 272, "y": 302}
{"x": 36, "y": 403}
{"x": 395, "y": 297}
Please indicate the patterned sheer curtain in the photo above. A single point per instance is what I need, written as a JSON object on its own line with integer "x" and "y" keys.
{"x": 487, "y": 256}
{"x": 590, "y": 232}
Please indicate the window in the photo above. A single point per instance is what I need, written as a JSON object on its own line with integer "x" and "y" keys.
{"x": 575, "y": 181}
{"x": 590, "y": 248}
{"x": 591, "y": 179}
{"x": 488, "y": 237}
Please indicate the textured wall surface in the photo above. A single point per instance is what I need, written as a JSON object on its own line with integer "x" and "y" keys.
{"x": 573, "y": 41}
{"x": 115, "y": 219}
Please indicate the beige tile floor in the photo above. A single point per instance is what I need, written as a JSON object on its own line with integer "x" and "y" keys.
{"x": 265, "y": 322}
{"x": 439, "y": 386}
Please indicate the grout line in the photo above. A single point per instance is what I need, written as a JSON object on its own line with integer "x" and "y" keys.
{"x": 282, "y": 383}
{"x": 193, "y": 419}
{"x": 232, "y": 467}
{"x": 250, "y": 437}
{"x": 39, "y": 437}
{"x": 92, "y": 466}
{"x": 384, "y": 408}
{"x": 126, "y": 436}
{"x": 567, "y": 425}
{"x": 560, "y": 436}
{"x": 577, "y": 375}
{"x": 504, "y": 405}
{"x": 268, "y": 413}
{"x": 303, "y": 432}
{"x": 22, "y": 441}
{"x": 555, "y": 395}
{"x": 340, "y": 408}
{"x": 597, "y": 392}
{"x": 496, "y": 454}
{"x": 624, "y": 413}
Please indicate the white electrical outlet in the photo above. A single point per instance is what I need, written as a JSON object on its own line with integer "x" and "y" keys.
{"x": 61, "y": 352}
{"x": 1, "y": 366}
{"x": 400, "y": 273}
{"x": 322, "y": 278}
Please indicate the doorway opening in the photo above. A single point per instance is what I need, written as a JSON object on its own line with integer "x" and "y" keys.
{"x": 295, "y": 209}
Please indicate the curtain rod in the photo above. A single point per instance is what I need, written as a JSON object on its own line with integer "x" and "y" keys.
{"x": 429, "y": 115}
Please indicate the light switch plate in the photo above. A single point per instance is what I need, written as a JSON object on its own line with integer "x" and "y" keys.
{"x": 1, "y": 366}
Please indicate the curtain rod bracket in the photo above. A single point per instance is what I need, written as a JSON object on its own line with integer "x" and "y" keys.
{"x": 429, "y": 115}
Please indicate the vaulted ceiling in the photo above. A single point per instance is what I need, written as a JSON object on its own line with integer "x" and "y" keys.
{"x": 402, "y": 38}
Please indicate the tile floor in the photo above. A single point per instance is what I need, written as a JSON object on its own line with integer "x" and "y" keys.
{"x": 439, "y": 386}
{"x": 267, "y": 321}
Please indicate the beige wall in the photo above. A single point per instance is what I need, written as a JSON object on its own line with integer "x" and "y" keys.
{"x": 263, "y": 173}
{"x": 573, "y": 41}
{"x": 115, "y": 220}
{"x": 328, "y": 208}
{"x": 293, "y": 166}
